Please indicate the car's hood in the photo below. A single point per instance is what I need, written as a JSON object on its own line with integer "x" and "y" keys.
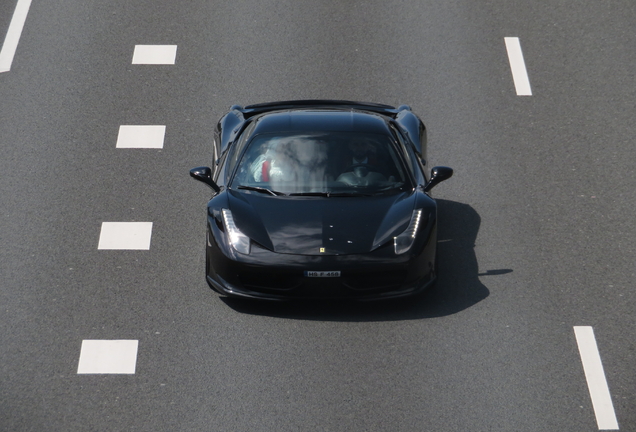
{"x": 321, "y": 225}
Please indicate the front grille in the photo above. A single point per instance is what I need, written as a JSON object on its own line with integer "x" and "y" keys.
{"x": 269, "y": 282}
{"x": 376, "y": 281}
{"x": 301, "y": 287}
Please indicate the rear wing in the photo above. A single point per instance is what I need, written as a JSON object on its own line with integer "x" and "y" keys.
{"x": 252, "y": 110}
{"x": 230, "y": 125}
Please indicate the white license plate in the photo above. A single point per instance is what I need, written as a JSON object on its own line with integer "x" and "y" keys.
{"x": 322, "y": 273}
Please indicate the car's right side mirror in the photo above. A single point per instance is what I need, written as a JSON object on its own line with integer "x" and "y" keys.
{"x": 438, "y": 175}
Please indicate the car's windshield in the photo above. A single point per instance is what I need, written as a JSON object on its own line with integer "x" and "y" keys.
{"x": 320, "y": 163}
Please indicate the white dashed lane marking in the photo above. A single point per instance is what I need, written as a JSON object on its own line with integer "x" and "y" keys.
{"x": 108, "y": 357}
{"x": 518, "y": 66}
{"x": 141, "y": 136}
{"x": 125, "y": 235}
{"x": 595, "y": 376}
{"x": 155, "y": 54}
{"x": 14, "y": 32}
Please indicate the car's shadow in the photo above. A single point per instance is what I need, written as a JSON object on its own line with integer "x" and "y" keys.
{"x": 458, "y": 285}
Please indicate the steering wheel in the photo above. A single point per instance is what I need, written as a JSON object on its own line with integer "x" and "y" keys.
{"x": 354, "y": 177}
{"x": 356, "y": 165}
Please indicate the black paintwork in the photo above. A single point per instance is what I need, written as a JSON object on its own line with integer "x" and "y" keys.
{"x": 302, "y": 225}
{"x": 290, "y": 235}
{"x": 414, "y": 128}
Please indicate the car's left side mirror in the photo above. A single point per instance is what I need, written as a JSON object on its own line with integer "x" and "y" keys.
{"x": 438, "y": 175}
{"x": 204, "y": 174}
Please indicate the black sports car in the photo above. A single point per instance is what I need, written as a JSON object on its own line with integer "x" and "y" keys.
{"x": 320, "y": 199}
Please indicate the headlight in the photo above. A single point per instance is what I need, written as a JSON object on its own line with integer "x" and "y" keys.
{"x": 404, "y": 241}
{"x": 238, "y": 240}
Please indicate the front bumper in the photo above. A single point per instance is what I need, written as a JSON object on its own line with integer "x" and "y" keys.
{"x": 319, "y": 292}
{"x": 268, "y": 275}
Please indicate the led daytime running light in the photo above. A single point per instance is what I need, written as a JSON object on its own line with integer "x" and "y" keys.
{"x": 404, "y": 241}
{"x": 415, "y": 223}
{"x": 238, "y": 240}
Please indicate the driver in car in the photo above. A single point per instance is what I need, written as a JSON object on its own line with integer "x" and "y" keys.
{"x": 362, "y": 166}
{"x": 362, "y": 152}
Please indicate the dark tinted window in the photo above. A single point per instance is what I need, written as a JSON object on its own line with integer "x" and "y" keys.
{"x": 237, "y": 149}
{"x": 321, "y": 162}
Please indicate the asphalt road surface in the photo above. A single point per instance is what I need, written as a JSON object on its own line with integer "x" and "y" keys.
{"x": 536, "y": 237}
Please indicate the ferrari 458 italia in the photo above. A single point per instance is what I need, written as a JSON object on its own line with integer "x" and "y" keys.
{"x": 320, "y": 199}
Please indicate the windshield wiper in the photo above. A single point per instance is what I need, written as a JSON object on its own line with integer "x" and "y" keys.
{"x": 399, "y": 186}
{"x": 348, "y": 194}
{"x": 326, "y": 194}
{"x": 261, "y": 189}
{"x": 330, "y": 194}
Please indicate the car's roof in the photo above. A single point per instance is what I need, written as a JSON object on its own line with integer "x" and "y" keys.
{"x": 318, "y": 120}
